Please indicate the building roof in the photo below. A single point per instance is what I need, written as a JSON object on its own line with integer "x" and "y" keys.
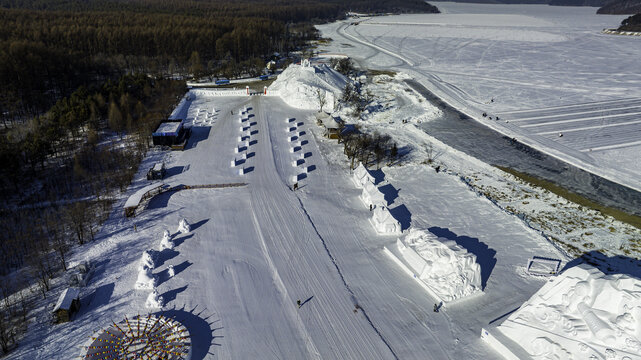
{"x": 168, "y": 128}
{"x": 66, "y": 298}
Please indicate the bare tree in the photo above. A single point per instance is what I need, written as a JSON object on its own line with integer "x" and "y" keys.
{"x": 321, "y": 97}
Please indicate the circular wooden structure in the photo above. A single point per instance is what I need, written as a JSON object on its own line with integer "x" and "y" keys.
{"x": 151, "y": 337}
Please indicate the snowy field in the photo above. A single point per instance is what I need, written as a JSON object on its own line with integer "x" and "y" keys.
{"x": 253, "y": 251}
{"x": 545, "y": 71}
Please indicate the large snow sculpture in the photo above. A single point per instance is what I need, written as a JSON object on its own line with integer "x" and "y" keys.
{"x": 372, "y": 196}
{"x": 447, "y": 269}
{"x": 580, "y": 314}
{"x": 361, "y": 176}
{"x": 166, "y": 242}
{"x": 183, "y": 226}
{"x": 384, "y": 222}
{"x": 146, "y": 279}
{"x": 154, "y": 300}
{"x": 147, "y": 259}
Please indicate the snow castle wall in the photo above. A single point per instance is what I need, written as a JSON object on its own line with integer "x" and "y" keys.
{"x": 371, "y": 195}
{"x": 361, "y": 176}
{"x": 384, "y": 222}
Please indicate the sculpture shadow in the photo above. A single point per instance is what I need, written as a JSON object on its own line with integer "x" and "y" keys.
{"x": 610, "y": 265}
{"x": 164, "y": 255}
{"x": 198, "y": 134}
{"x": 307, "y": 154}
{"x": 485, "y": 256}
{"x": 251, "y": 154}
{"x": 379, "y": 175}
{"x": 403, "y": 216}
{"x": 254, "y": 132}
{"x": 170, "y": 295}
{"x": 248, "y": 169}
{"x": 200, "y": 329}
{"x": 389, "y": 192}
{"x": 180, "y": 240}
{"x": 253, "y": 142}
{"x": 301, "y": 133}
{"x": 174, "y": 170}
{"x": 311, "y": 168}
{"x": 198, "y": 224}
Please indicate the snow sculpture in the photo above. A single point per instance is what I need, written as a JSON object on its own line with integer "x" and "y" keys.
{"x": 241, "y": 171}
{"x": 146, "y": 279}
{"x": 384, "y": 222}
{"x": 170, "y": 271}
{"x": 372, "y": 196}
{"x": 166, "y": 242}
{"x": 447, "y": 269}
{"x": 361, "y": 176}
{"x": 580, "y": 314}
{"x": 154, "y": 300}
{"x": 147, "y": 259}
{"x": 183, "y": 226}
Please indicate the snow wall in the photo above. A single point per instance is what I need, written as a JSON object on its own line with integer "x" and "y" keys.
{"x": 580, "y": 314}
{"x": 361, "y": 176}
{"x": 371, "y": 195}
{"x": 298, "y": 86}
{"x": 448, "y": 269}
{"x": 384, "y": 223}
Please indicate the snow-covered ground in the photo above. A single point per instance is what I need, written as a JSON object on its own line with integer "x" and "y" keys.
{"x": 545, "y": 71}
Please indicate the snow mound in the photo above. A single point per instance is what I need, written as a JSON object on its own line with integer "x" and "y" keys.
{"x": 146, "y": 279}
{"x": 384, "y": 222}
{"x": 298, "y": 86}
{"x": 361, "y": 176}
{"x": 183, "y": 226}
{"x": 166, "y": 242}
{"x": 147, "y": 260}
{"x": 580, "y": 314}
{"x": 154, "y": 300}
{"x": 448, "y": 269}
{"x": 170, "y": 271}
{"x": 372, "y": 196}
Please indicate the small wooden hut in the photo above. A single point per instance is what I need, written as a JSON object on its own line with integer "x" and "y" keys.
{"x": 68, "y": 303}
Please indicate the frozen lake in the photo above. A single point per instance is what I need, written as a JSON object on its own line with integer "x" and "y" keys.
{"x": 543, "y": 70}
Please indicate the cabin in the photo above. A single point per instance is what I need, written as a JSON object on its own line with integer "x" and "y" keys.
{"x": 171, "y": 133}
{"x": 68, "y": 304}
{"x": 333, "y": 125}
{"x": 157, "y": 172}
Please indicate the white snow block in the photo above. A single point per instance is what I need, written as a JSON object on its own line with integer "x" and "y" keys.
{"x": 246, "y": 144}
{"x": 243, "y": 156}
{"x": 170, "y": 271}
{"x": 361, "y": 176}
{"x": 183, "y": 226}
{"x": 241, "y": 171}
{"x": 384, "y": 223}
{"x": 295, "y": 178}
{"x": 580, "y": 314}
{"x": 292, "y": 149}
{"x": 145, "y": 280}
{"x": 372, "y": 196}
{"x": 241, "y": 129}
{"x": 240, "y": 138}
{"x": 233, "y": 163}
{"x": 154, "y": 301}
{"x": 448, "y": 269}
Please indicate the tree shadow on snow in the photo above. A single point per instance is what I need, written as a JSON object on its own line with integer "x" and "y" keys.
{"x": 609, "y": 265}
{"x": 403, "y": 216}
{"x": 389, "y": 192}
{"x": 200, "y": 328}
{"x": 485, "y": 256}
